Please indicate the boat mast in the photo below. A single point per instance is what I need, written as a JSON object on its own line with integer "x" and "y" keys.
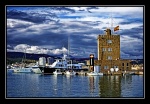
{"x": 68, "y": 45}
{"x": 24, "y": 58}
{"x": 69, "y": 50}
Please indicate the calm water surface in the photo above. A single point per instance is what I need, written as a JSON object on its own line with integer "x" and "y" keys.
{"x": 28, "y": 85}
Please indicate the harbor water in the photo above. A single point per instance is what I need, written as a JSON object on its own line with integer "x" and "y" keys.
{"x": 29, "y": 85}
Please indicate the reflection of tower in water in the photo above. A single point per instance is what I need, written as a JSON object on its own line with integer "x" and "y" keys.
{"x": 110, "y": 86}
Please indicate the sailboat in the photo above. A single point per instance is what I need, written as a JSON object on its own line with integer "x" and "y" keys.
{"x": 23, "y": 68}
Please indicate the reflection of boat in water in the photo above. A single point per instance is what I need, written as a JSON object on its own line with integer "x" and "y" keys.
{"x": 10, "y": 70}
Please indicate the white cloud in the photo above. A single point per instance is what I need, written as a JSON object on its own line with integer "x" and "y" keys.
{"x": 36, "y": 49}
{"x": 91, "y": 36}
{"x": 14, "y": 22}
{"x": 86, "y": 40}
{"x": 122, "y": 9}
{"x": 21, "y": 47}
{"x": 129, "y": 26}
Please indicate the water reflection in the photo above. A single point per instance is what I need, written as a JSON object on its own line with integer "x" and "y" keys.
{"x": 94, "y": 86}
{"x": 132, "y": 86}
{"x": 91, "y": 79}
{"x": 110, "y": 86}
{"x": 22, "y": 85}
{"x": 34, "y": 85}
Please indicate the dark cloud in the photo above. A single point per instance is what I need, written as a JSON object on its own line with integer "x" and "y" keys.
{"x": 133, "y": 49}
{"x": 47, "y": 38}
{"x": 64, "y": 8}
{"x": 9, "y": 31}
{"x": 15, "y": 14}
{"x": 90, "y": 8}
{"x": 129, "y": 20}
{"x": 134, "y": 32}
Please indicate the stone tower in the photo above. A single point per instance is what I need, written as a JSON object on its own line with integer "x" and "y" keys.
{"x": 108, "y": 46}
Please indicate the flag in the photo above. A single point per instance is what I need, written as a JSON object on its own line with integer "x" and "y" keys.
{"x": 116, "y": 28}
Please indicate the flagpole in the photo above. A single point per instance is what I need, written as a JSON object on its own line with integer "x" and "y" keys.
{"x": 111, "y": 23}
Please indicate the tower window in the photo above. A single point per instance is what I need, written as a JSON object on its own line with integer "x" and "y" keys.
{"x": 104, "y": 49}
{"x": 106, "y": 67}
{"x": 109, "y": 57}
{"x": 109, "y": 41}
{"x": 109, "y": 49}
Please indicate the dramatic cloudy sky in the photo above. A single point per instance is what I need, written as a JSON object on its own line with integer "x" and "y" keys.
{"x": 47, "y": 29}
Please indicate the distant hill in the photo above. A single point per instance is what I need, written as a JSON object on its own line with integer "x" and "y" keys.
{"x": 33, "y": 56}
{"x": 137, "y": 61}
{"x": 30, "y": 56}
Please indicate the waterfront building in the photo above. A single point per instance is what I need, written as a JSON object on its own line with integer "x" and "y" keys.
{"x": 42, "y": 61}
{"x": 50, "y": 60}
{"x": 108, "y": 47}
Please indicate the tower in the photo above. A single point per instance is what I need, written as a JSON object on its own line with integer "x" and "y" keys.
{"x": 108, "y": 46}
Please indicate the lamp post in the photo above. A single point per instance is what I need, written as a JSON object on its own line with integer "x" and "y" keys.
{"x": 92, "y": 62}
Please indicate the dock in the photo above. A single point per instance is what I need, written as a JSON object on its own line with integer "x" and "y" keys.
{"x": 131, "y": 72}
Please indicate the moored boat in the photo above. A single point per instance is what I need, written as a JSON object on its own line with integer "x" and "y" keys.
{"x": 62, "y": 64}
{"x": 36, "y": 69}
{"x": 70, "y": 72}
{"x": 23, "y": 70}
{"x": 94, "y": 73}
{"x": 57, "y": 72}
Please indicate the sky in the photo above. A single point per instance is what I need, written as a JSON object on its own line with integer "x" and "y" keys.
{"x": 73, "y": 30}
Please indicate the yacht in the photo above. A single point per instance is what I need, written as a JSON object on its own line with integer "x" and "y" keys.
{"x": 63, "y": 64}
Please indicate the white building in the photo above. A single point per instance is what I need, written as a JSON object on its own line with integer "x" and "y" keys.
{"x": 42, "y": 61}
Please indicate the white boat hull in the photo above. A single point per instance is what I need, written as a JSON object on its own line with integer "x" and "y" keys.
{"x": 70, "y": 73}
{"x": 57, "y": 73}
{"x": 23, "y": 70}
{"x": 94, "y": 74}
{"x": 36, "y": 70}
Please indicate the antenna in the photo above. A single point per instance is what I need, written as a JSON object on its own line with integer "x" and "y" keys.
{"x": 25, "y": 54}
{"x": 108, "y": 24}
{"x": 111, "y": 21}
{"x": 68, "y": 45}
